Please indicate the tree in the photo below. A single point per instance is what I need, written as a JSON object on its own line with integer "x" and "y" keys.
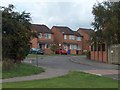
{"x": 54, "y": 47}
{"x": 107, "y": 22}
{"x": 15, "y": 33}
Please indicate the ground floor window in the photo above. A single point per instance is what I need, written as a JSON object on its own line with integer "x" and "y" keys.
{"x": 65, "y": 47}
{"x": 78, "y": 48}
{"x": 40, "y": 46}
{"x": 73, "y": 46}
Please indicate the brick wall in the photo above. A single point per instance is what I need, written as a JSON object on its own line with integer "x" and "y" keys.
{"x": 101, "y": 56}
{"x": 72, "y": 51}
{"x": 58, "y": 36}
{"x": 34, "y": 43}
{"x": 92, "y": 55}
{"x": 48, "y": 51}
{"x": 85, "y": 44}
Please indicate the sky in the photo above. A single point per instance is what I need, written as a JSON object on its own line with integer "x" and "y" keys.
{"x": 72, "y": 13}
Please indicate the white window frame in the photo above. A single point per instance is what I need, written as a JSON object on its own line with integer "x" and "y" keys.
{"x": 47, "y": 36}
{"x": 78, "y": 47}
{"x": 40, "y": 35}
{"x": 65, "y": 36}
{"x": 73, "y": 46}
{"x": 78, "y": 38}
{"x": 71, "y": 37}
{"x": 65, "y": 47}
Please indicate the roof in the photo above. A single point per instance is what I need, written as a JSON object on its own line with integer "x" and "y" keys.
{"x": 88, "y": 31}
{"x": 77, "y": 34}
{"x": 41, "y": 28}
{"x": 65, "y": 30}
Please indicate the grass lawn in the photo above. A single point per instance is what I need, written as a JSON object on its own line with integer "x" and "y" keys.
{"x": 72, "y": 80}
{"x": 22, "y": 70}
{"x": 35, "y": 56}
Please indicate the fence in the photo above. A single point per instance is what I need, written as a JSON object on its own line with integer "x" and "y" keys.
{"x": 114, "y": 54}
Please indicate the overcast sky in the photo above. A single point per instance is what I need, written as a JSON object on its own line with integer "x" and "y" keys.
{"x": 72, "y": 13}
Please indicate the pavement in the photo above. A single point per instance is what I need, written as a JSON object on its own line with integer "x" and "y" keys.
{"x": 60, "y": 65}
{"x": 49, "y": 73}
{"x": 107, "y": 70}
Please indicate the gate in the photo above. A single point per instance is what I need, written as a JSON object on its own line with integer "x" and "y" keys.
{"x": 114, "y": 54}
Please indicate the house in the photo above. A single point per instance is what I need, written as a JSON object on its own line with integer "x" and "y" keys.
{"x": 67, "y": 39}
{"x": 44, "y": 38}
{"x": 86, "y": 37}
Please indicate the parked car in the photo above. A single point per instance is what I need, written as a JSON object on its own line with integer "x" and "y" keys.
{"x": 61, "y": 51}
{"x": 36, "y": 51}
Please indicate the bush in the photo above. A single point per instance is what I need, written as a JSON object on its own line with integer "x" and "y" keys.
{"x": 7, "y": 65}
{"x": 88, "y": 55}
{"x": 54, "y": 47}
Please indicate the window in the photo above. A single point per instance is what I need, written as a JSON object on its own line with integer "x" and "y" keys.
{"x": 73, "y": 46}
{"x": 40, "y": 46}
{"x": 40, "y": 35}
{"x": 72, "y": 37}
{"x": 78, "y": 38}
{"x": 65, "y": 47}
{"x": 47, "y": 46}
{"x": 65, "y": 36}
{"x": 47, "y": 36}
{"x": 78, "y": 48}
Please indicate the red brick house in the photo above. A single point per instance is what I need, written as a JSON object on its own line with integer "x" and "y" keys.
{"x": 67, "y": 39}
{"x": 44, "y": 38}
{"x": 86, "y": 37}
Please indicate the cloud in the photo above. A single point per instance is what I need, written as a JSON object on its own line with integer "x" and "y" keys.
{"x": 71, "y": 13}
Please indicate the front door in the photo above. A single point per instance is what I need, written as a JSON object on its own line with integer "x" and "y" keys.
{"x": 40, "y": 46}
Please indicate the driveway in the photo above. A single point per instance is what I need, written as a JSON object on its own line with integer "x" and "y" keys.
{"x": 66, "y": 62}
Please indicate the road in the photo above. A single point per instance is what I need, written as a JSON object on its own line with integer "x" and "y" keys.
{"x": 63, "y": 62}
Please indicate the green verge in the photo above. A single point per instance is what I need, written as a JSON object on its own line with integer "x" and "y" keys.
{"x": 22, "y": 69}
{"x": 35, "y": 56}
{"x": 72, "y": 80}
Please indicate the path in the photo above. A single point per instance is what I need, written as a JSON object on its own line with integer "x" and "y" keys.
{"x": 49, "y": 73}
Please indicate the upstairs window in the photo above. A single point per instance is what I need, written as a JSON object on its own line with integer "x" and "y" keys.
{"x": 47, "y": 36}
{"x": 65, "y": 36}
{"x": 71, "y": 37}
{"x": 40, "y": 35}
{"x": 78, "y": 38}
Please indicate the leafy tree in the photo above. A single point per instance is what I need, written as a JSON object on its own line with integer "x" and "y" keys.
{"x": 107, "y": 22}
{"x": 15, "y": 33}
{"x": 54, "y": 47}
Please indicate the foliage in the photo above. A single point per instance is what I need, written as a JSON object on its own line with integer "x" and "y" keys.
{"x": 71, "y": 80}
{"x": 106, "y": 22}
{"x": 7, "y": 65}
{"x": 88, "y": 55}
{"x": 21, "y": 70}
{"x": 16, "y": 33}
{"x": 54, "y": 47}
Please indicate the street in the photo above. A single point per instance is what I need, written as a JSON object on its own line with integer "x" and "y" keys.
{"x": 63, "y": 62}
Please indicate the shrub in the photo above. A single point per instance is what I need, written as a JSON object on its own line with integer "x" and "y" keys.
{"x": 7, "y": 65}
